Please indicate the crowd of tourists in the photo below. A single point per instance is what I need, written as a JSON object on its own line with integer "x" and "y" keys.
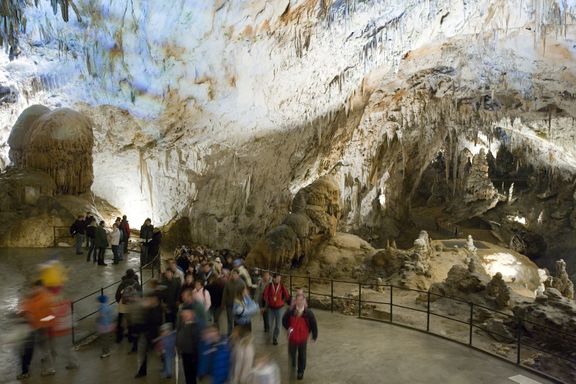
{"x": 178, "y": 316}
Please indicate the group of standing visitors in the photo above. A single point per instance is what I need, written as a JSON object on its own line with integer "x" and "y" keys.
{"x": 87, "y": 230}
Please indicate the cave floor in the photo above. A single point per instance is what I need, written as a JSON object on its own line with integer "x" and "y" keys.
{"x": 348, "y": 350}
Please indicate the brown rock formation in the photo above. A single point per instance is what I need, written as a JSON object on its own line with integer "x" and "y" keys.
{"x": 59, "y": 143}
{"x": 314, "y": 218}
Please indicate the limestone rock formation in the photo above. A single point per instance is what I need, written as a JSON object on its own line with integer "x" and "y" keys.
{"x": 342, "y": 256}
{"x": 550, "y": 321}
{"x": 313, "y": 220}
{"x": 497, "y": 290}
{"x": 57, "y": 142}
{"x": 561, "y": 281}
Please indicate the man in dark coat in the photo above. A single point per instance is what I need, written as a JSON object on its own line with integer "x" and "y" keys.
{"x": 100, "y": 242}
{"x": 78, "y": 230}
{"x": 187, "y": 342}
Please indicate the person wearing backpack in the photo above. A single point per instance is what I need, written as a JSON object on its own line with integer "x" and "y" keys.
{"x": 275, "y": 297}
{"x": 126, "y": 294}
{"x": 300, "y": 322}
{"x": 244, "y": 309}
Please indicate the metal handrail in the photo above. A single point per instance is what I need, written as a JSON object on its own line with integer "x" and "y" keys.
{"x": 101, "y": 292}
{"x": 518, "y": 338}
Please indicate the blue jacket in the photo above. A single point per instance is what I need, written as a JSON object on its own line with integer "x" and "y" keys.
{"x": 105, "y": 319}
{"x": 215, "y": 361}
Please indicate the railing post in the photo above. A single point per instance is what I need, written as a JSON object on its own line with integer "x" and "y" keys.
{"x": 471, "y": 323}
{"x": 518, "y": 339}
{"x": 73, "y": 327}
{"x": 331, "y": 295}
{"x": 359, "y": 299}
{"x": 391, "y": 301}
{"x": 101, "y": 291}
{"x": 428, "y": 313}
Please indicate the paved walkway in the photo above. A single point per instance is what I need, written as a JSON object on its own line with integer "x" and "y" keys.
{"x": 348, "y": 351}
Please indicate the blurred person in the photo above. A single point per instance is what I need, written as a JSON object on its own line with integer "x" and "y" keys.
{"x": 100, "y": 242}
{"x": 275, "y": 296}
{"x": 234, "y": 285}
{"x": 78, "y": 230}
{"x": 105, "y": 325}
{"x": 87, "y": 219}
{"x": 242, "y": 355}
{"x": 265, "y": 371}
{"x": 201, "y": 294}
{"x": 263, "y": 282}
{"x": 187, "y": 343}
{"x": 244, "y": 309}
{"x": 215, "y": 287}
{"x": 170, "y": 295}
{"x": 60, "y": 331}
{"x": 147, "y": 325}
{"x": 188, "y": 283}
{"x": 166, "y": 344}
{"x": 36, "y": 308}
{"x": 243, "y": 272}
{"x": 189, "y": 303}
{"x": 214, "y": 356}
{"x": 300, "y": 323}
{"x": 118, "y": 223}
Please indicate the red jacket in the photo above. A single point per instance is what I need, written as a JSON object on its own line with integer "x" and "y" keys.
{"x": 275, "y": 295}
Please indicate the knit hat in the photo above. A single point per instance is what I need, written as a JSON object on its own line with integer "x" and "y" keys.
{"x": 102, "y": 299}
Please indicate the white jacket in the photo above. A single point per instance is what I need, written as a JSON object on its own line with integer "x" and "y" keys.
{"x": 115, "y": 236}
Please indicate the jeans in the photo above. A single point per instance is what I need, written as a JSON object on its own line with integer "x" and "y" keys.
{"x": 275, "y": 318}
{"x": 301, "y": 349}
{"x": 116, "y": 258}
{"x": 168, "y": 363}
{"x": 121, "y": 251}
{"x": 79, "y": 241}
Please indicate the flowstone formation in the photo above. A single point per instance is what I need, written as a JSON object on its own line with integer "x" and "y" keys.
{"x": 57, "y": 142}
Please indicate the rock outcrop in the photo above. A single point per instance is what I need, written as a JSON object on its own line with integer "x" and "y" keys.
{"x": 313, "y": 220}
{"x": 561, "y": 281}
{"x": 57, "y": 142}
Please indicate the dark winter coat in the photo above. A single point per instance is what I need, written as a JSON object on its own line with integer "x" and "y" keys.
{"x": 100, "y": 237}
{"x": 188, "y": 338}
{"x": 79, "y": 226}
